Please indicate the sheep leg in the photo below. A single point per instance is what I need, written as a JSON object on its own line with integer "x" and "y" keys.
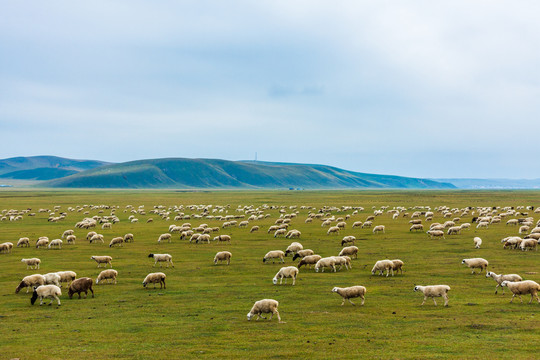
{"x": 425, "y": 298}
{"x": 434, "y": 301}
{"x": 92, "y": 292}
{"x": 445, "y": 300}
{"x": 343, "y": 302}
{"x": 172, "y": 264}
{"x": 294, "y": 280}
{"x": 351, "y": 302}
{"x": 363, "y": 299}
{"x": 277, "y": 314}
{"x": 40, "y": 300}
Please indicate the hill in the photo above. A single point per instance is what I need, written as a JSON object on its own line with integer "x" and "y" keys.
{"x": 223, "y": 174}
{"x": 44, "y": 167}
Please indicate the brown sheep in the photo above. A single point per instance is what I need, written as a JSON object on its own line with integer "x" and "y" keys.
{"x": 80, "y": 285}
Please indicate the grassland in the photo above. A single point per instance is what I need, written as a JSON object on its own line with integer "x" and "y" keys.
{"x": 202, "y": 313}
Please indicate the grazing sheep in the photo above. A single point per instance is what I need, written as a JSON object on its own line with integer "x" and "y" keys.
{"x": 66, "y": 276}
{"x": 29, "y": 281}
{"x": 42, "y": 242}
{"x": 324, "y": 263}
{"x": 378, "y": 229}
{"x": 67, "y": 233}
{"x": 477, "y": 242}
{"x": 108, "y": 274}
{"x": 333, "y": 230}
{"x": 102, "y": 260}
{"x": 55, "y": 243}
{"x": 293, "y": 248}
{"x": 166, "y": 258}
{"x": 349, "y": 293}
{"x": 253, "y": 229}
{"x": 512, "y": 242}
{"x": 383, "y": 265}
{"x": 356, "y": 224}
{"x": 154, "y": 278}
{"x": 80, "y": 285}
{"x": 194, "y": 237}
{"x": 128, "y": 237}
{"x": 116, "y": 241}
{"x": 286, "y": 272}
{"x": 522, "y": 288}
{"x": 96, "y": 238}
{"x": 303, "y": 253}
{"x": 223, "y": 256}
{"x": 434, "y": 291}
{"x": 503, "y": 277}
{"x": 349, "y": 251}
{"x": 367, "y": 223}
{"x": 398, "y": 266}
{"x": 70, "y": 239}
{"x": 46, "y": 291}
{"x": 454, "y": 230}
{"x": 264, "y": 306}
{"x": 280, "y": 232}
{"x": 293, "y": 234}
{"x": 204, "y": 237}
{"x": 348, "y": 239}
{"x": 274, "y": 254}
{"x": 90, "y": 235}
{"x": 33, "y": 263}
{"x": 436, "y": 233}
{"x": 529, "y": 243}
{"x": 222, "y": 238}
{"x": 343, "y": 260}
{"x": 416, "y": 227}
{"x": 476, "y": 263}
{"x": 52, "y": 278}
{"x": 24, "y": 241}
{"x": 163, "y": 237}
{"x": 309, "y": 260}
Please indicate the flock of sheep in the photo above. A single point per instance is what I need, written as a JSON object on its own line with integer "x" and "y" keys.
{"x": 49, "y": 285}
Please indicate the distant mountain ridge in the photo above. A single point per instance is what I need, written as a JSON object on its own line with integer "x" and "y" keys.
{"x": 44, "y": 167}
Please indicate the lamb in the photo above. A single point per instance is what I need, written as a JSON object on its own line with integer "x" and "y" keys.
{"x": 128, "y": 237}
{"x": 348, "y": 239}
{"x": 56, "y": 243}
{"x": 293, "y": 248}
{"x": 29, "y": 281}
{"x": 503, "y": 277}
{"x": 264, "y": 306}
{"x": 24, "y": 241}
{"x": 286, "y": 272}
{"x": 303, "y": 253}
{"x": 223, "y": 256}
{"x": 52, "y": 278}
{"x": 475, "y": 263}
{"x": 522, "y": 288}
{"x": 398, "y": 266}
{"x": 529, "y": 243}
{"x": 116, "y": 241}
{"x": 167, "y": 258}
{"x": 108, "y": 274}
{"x": 378, "y": 229}
{"x": 274, "y": 254}
{"x": 324, "y": 263}
{"x": 349, "y": 251}
{"x": 343, "y": 260}
{"x": 163, "y": 237}
{"x": 349, "y": 293}
{"x": 477, "y": 242}
{"x": 42, "y": 242}
{"x": 383, "y": 265}
{"x": 223, "y": 238}
{"x": 46, "y": 291}
{"x": 80, "y": 285}
{"x": 33, "y": 263}
{"x": 66, "y": 276}
{"x": 434, "y": 291}
{"x": 102, "y": 260}
{"x": 154, "y": 278}
{"x": 309, "y": 260}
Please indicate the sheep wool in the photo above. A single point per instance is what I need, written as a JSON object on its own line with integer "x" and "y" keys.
{"x": 351, "y": 292}
{"x": 265, "y": 306}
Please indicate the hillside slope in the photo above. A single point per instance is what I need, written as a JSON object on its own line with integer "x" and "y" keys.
{"x": 44, "y": 167}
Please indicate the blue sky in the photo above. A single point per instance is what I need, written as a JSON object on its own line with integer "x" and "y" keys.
{"x": 413, "y": 88}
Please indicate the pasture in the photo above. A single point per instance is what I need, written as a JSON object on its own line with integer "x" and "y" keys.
{"x": 202, "y": 312}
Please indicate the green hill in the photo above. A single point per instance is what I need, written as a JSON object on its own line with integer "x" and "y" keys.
{"x": 44, "y": 167}
{"x": 222, "y": 174}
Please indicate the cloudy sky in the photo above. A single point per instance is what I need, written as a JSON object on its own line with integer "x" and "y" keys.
{"x": 414, "y": 88}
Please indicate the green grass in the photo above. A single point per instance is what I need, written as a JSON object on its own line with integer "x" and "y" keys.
{"x": 202, "y": 313}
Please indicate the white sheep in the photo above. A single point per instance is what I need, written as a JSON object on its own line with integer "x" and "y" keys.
{"x": 293, "y": 248}
{"x": 476, "y": 263}
{"x": 108, "y": 274}
{"x": 55, "y": 243}
{"x": 383, "y": 265}
{"x": 222, "y": 238}
{"x": 154, "y": 278}
{"x": 116, "y": 241}
{"x": 286, "y": 272}
{"x": 280, "y": 232}
{"x": 333, "y": 230}
{"x": 128, "y": 237}
{"x": 253, "y": 229}
{"x": 348, "y": 239}
{"x": 436, "y": 233}
{"x": 356, "y": 224}
{"x": 503, "y": 277}
{"x": 32, "y": 263}
{"x": 223, "y": 256}
{"x": 293, "y": 234}
{"x": 46, "y": 291}
{"x": 434, "y": 291}
{"x": 529, "y": 243}
{"x": 349, "y": 251}
{"x": 66, "y": 276}
{"x": 96, "y": 238}
{"x": 23, "y": 242}
{"x": 70, "y": 239}
{"x": 164, "y": 237}
{"x": 477, "y": 242}
{"x": 102, "y": 260}
{"x": 398, "y": 266}
{"x": 378, "y": 229}
{"x": 29, "y": 281}
{"x": 351, "y": 292}
{"x": 343, "y": 260}
{"x": 324, "y": 263}
{"x": 66, "y": 233}
{"x": 166, "y": 258}
{"x": 309, "y": 260}
{"x": 264, "y": 306}
{"x": 52, "y": 278}
{"x": 454, "y": 230}
{"x": 417, "y": 227}
{"x": 274, "y": 254}
{"x": 42, "y": 242}
{"x": 303, "y": 253}
{"x": 522, "y": 288}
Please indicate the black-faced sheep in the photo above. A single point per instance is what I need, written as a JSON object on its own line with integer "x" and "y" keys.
{"x": 46, "y": 291}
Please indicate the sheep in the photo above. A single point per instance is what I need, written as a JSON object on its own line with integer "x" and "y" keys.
{"x": 280, "y": 232}
{"x": 333, "y": 230}
{"x": 128, "y": 237}
{"x": 529, "y": 243}
{"x": 163, "y": 237}
{"x": 66, "y": 276}
{"x": 33, "y": 263}
{"x": 223, "y": 256}
{"x": 253, "y": 229}
{"x": 286, "y": 272}
{"x": 349, "y": 251}
{"x": 204, "y": 237}
{"x": 90, "y": 235}
{"x": 522, "y": 288}
{"x": 475, "y": 263}
{"x": 398, "y": 266}
{"x": 454, "y": 230}
{"x": 166, "y": 258}
{"x": 46, "y": 291}
{"x": 417, "y": 227}
{"x": 348, "y": 239}
{"x": 70, "y": 239}
{"x": 383, "y": 265}
{"x": 67, "y": 233}
{"x": 343, "y": 260}
{"x": 81, "y": 285}
{"x": 274, "y": 254}
{"x": 96, "y": 238}
{"x": 154, "y": 278}
{"x": 303, "y": 253}
{"x": 24, "y": 241}
{"x": 102, "y": 260}
{"x": 351, "y": 292}
{"x": 477, "y": 242}
{"x": 503, "y": 277}
{"x": 29, "y": 281}
{"x": 222, "y": 238}
{"x": 436, "y": 233}
{"x": 356, "y": 224}
{"x": 52, "y": 278}
{"x": 293, "y": 248}
{"x": 511, "y": 241}
{"x": 264, "y": 306}
{"x": 194, "y": 237}
{"x": 108, "y": 274}
{"x": 434, "y": 291}
{"x": 324, "y": 263}
{"x": 378, "y": 229}
{"x": 56, "y": 243}
{"x": 42, "y": 242}
{"x": 309, "y": 260}
{"x": 367, "y": 223}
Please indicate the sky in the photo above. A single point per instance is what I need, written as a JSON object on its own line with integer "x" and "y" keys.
{"x": 428, "y": 88}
